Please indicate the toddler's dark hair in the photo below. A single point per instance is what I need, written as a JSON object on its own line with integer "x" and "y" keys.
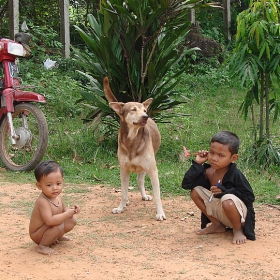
{"x": 227, "y": 138}
{"x": 44, "y": 168}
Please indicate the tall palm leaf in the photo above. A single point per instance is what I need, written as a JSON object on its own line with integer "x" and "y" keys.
{"x": 135, "y": 43}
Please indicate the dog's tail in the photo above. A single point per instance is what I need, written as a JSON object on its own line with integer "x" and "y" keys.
{"x": 108, "y": 93}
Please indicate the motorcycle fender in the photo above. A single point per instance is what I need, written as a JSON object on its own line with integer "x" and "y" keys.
{"x": 28, "y": 96}
{"x": 10, "y": 95}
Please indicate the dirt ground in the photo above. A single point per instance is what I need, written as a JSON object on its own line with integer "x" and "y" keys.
{"x": 132, "y": 245}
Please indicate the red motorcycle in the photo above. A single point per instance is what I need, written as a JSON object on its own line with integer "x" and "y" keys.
{"x": 23, "y": 126}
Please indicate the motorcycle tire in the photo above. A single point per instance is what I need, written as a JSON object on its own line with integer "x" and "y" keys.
{"x": 30, "y": 124}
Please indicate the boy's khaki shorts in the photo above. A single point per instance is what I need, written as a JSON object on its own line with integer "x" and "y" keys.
{"x": 215, "y": 209}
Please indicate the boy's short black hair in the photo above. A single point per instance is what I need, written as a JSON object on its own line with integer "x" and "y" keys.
{"x": 227, "y": 138}
{"x": 44, "y": 168}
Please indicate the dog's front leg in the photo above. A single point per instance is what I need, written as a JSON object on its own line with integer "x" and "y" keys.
{"x": 156, "y": 192}
{"x": 141, "y": 186}
{"x": 125, "y": 175}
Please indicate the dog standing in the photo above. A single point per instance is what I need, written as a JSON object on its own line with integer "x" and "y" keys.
{"x": 138, "y": 142}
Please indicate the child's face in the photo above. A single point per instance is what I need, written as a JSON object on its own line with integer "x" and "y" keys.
{"x": 51, "y": 185}
{"x": 219, "y": 156}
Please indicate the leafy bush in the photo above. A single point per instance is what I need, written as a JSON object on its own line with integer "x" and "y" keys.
{"x": 59, "y": 88}
{"x": 135, "y": 45}
{"x": 255, "y": 61}
{"x": 264, "y": 154}
{"x": 45, "y": 40}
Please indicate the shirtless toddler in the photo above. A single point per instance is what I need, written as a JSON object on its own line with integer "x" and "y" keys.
{"x": 50, "y": 219}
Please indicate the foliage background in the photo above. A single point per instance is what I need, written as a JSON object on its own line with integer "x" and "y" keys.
{"x": 90, "y": 156}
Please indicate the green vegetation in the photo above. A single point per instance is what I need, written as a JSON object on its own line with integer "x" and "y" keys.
{"x": 90, "y": 157}
{"x": 255, "y": 61}
{"x": 135, "y": 45}
{"x": 205, "y": 92}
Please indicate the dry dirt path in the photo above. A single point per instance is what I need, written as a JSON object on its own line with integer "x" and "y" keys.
{"x": 132, "y": 245}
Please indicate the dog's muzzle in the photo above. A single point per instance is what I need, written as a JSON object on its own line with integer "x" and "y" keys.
{"x": 143, "y": 120}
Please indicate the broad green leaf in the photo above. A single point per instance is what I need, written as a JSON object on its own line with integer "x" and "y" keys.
{"x": 135, "y": 43}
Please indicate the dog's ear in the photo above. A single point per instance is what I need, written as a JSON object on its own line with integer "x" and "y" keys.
{"x": 147, "y": 103}
{"x": 117, "y": 107}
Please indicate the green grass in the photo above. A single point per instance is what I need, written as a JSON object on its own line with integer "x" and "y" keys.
{"x": 89, "y": 157}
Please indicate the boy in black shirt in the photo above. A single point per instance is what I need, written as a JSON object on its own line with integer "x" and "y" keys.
{"x": 220, "y": 190}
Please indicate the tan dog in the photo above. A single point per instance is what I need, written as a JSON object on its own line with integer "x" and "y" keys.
{"x": 138, "y": 142}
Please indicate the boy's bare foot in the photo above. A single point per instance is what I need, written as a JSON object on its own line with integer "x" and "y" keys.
{"x": 46, "y": 250}
{"x": 64, "y": 238}
{"x": 238, "y": 236}
{"x": 213, "y": 228}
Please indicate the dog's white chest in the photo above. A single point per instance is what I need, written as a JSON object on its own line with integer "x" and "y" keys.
{"x": 133, "y": 165}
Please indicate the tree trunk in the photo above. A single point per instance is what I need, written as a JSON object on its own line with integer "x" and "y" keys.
{"x": 65, "y": 27}
{"x": 253, "y": 118}
{"x": 191, "y": 16}
{"x": 227, "y": 18}
{"x": 267, "y": 105}
{"x": 261, "y": 105}
{"x": 13, "y": 18}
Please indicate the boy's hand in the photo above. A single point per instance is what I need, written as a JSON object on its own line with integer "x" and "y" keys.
{"x": 215, "y": 190}
{"x": 201, "y": 156}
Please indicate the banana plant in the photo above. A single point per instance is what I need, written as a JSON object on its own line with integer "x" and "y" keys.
{"x": 135, "y": 44}
{"x": 255, "y": 62}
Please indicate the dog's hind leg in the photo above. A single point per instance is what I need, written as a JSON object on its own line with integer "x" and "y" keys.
{"x": 125, "y": 175}
{"x": 141, "y": 186}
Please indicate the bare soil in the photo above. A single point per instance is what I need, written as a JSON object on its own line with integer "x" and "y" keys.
{"x": 132, "y": 245}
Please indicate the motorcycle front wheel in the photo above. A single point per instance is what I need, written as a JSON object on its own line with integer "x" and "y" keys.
{"x": 31, "y": 127}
